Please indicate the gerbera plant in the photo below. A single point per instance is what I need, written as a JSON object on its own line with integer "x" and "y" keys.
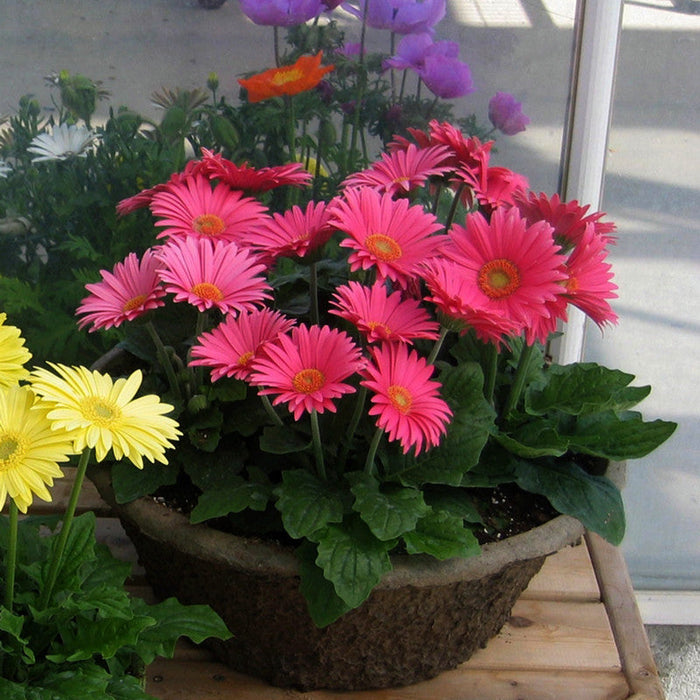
{"x": 367, "y": 373}
{"x": 68, "y": 628}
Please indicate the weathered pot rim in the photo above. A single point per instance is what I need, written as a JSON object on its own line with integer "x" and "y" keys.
{"x": 266, "y": 558}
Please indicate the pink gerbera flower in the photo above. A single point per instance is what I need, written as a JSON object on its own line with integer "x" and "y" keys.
{"x": 589, "y": 285}
{"x": 381, "y": 316}
{"x": 296, "y": 232}
{"x": 307, "y": 369}
{"x": 231, "y": 347}
{"x": 208, "y": 274}
{"x": 568, "y": 219}
{"x": 516, "y": 268}
{"x": 399, "y": 172}
{"x": 129, "y": 291}
{"x": 494, "y": 186}
{"x": 145, "y": 197}
{"x": 243, "y": 177}
{"x": 460, "y": 305}
{"x": 193, "y": 208}
{"x": 406, "y": 400}
{"x": 390, "y": 235}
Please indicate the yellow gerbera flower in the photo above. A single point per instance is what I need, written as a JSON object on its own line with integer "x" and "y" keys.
{"x": 13, "y": 354}
{"x": 104, "y": 414}
{"x": 29, "y": 448}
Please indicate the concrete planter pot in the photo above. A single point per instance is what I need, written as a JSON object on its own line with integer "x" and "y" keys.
{"x": 425, "y": 616}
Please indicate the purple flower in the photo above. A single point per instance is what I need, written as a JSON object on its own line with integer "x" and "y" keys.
{"x": 281, "y": 13}
{"x": 506, "y": 114}
{"x": 401, "y": 16}
{"x": 414, "y": 48}
{"x": 446, "y": 77}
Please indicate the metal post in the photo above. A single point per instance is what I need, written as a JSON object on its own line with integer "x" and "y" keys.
{"x": 598, "y": 25}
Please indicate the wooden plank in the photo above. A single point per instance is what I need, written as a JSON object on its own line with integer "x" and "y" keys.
{"x": 566, "y": 575}
{"x": 628, "y": 630}
{"x": 205, "y": 680}
{"x": 551, "y": 636}
{"x": 60, "y": 493}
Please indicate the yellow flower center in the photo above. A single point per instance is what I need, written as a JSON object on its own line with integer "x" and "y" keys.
{"x": 400, "y": 398}
{"x": 287, "y": 75}
{"x": 100, "y": 412}
{"x": 206, "y": 290}
{"x": 383, "y": 247}
{"x": 209, "y": 225}
{"x": 308, "y": 380}
{"x": 375, "y": 324}
{"x": 12, "y": 450}
{"x": 499, "y": 278}
{"x": 245, "y": 358}
{"x": 572, "y": 285}
{"x": 134, "y": 303}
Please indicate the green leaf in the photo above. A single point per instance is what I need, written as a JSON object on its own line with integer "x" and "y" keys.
{"x": 174, "y": 620}
{"x": 583, "y": 388}
{"x": 127, "y": 688}
{"x": 389, "y": 511}
{"x": 443, "y": 536}
{"x": 81, "y": 681}
{"x": 534, "y": 439}
{"x": 234, "y": 498}
{"x": 220, "y": 470}
{"x": 456, "y": 501}
{"x": 307, "y": 504}
{"x": 619, "y": 436}
{"x": 282, "y": 440}
{"x": 594, "y": 500}
{"x": 353, "y": 559}
{"x": 11, "y": 624}
{"x": 130, "y": 483}
{"x": 325, "y": 606}
{"x": 79, "y": 549}
{"x": 12, "y": 691}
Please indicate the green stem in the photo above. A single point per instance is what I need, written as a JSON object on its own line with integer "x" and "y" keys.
{"x": 352, "y": 427}
{"x": 318, "y": 446}
{"x": 438, "y": 345}
{"x": 164, "y": 359}
{"x": 455, "y": 204}
{"x": 372, "y": 451}
{"x": 276, "y": 44}
{"x": 516, "y": 388}
{"x": 436, "y": 198}
{"x": 11, "y": 563}
{"x": 313, "y": 294}
{"x": 270, "y": 410}
{"x": 490, "y": 372}
{"x": 57, "y": 554}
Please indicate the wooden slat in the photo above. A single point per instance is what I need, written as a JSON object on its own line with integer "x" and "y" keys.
{"x": 566, "y": 575}
{"x": 628, "y": 631}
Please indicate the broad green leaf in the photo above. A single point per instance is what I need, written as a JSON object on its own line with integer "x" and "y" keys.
{"x": 534, "y": 439}
{"x": 236, "y": 497}
{"x": 174, "y": 620}
{"x": 389, "y": 510}
{"x": 456, "y": 501}
{"x": 307, "y": 504}
{"x": 79, "y": 549}
{"x": 325, "y": 606}
{"x": 130, "y": 483}
{"x": 127, "y": 688}
{"x": 583, "y": 388}
{"x": 443, "y": 536}
{"x": 11, "y": 624}
{"x": 353, "y": 559}
{"x": 218, "y": 470}
{"x": 82, "y": 681}
{"x": 619, "y": 436}
{"x": 594, "y": 500}
{"x": 282, "y": 441}
{"x": 12, "y": 691}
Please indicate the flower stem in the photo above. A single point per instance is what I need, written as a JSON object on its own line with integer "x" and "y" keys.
{"x": 516, "y": 388}
{"x": 57, "y": 554}
{"x": 438, "y": 345}
{"x": 491, "y": 368}
{"x": 372, "y": 451}
{"x": 352, "y": 427}
{"x": 269, "y": 409}
{"x": 164, "y": 360}
{"x": 318, "y": 446}
{"x": 455, "y": 204}
{"x": 11, "y": 563}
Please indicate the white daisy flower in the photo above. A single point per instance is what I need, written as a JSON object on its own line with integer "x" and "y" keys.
{"x": 5, "y": 169}
{"x": 63, "y": 142}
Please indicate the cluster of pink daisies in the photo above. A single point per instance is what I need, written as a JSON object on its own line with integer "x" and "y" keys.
{"x": 510, "y": 268}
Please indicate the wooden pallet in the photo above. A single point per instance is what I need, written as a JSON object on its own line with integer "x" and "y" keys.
{"x": 575, "y": 634}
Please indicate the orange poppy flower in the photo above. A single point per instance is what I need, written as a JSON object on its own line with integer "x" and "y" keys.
{"x": 303, "y": 75}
